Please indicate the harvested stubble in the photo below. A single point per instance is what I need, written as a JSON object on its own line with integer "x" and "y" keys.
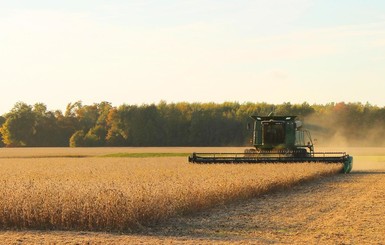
{"x": 121, "y": 194}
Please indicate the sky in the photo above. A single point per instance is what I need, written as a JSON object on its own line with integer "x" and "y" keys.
{"x": 147, "y": 51}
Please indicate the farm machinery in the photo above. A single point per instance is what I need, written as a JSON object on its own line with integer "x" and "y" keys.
{"x": 277, "y": 139}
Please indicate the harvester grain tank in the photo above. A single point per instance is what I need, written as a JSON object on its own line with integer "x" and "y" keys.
{"x": 278, "y": 139}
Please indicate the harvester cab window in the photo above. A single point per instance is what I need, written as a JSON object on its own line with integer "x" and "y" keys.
{"x": 273, "y": 133}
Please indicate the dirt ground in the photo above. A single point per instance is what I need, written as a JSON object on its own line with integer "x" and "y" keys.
{"x": 342, "y": 209}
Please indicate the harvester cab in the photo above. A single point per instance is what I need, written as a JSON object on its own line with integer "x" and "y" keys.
{"x": 281, "y": 134}
{"x": 277, "y": 139}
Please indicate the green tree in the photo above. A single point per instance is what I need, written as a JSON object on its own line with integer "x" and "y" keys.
{"x": 47, "y": 132}
{"x": 19, "y": 127}
{"x": 96, "y": 136}
{"x": 181, "y": 124}
{"x": 77, "y": 139}
{"x": 66, "y": 127}
{"x": 174, "y": 123}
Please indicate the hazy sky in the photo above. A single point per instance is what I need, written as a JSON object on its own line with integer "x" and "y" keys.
{"x": 144, "y": 51}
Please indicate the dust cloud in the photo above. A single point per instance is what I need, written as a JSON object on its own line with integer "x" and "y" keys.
{"x": 328, "y": 132}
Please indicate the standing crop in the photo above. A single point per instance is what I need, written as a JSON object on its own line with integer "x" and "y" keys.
{"x": 123, "y": 194}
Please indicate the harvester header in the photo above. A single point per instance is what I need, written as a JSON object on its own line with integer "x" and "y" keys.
{"x": 277, "y": 139}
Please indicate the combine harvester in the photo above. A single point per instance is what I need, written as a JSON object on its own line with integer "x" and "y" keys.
{"x": 277, "y": 139}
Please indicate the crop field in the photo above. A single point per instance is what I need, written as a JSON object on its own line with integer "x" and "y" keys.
{"x": 152, "y": 195}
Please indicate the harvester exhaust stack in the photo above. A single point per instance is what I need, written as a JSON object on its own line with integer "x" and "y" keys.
{"x": 277, "y": 139}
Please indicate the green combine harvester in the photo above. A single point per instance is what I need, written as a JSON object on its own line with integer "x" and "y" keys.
{"x": 277, "y": 139}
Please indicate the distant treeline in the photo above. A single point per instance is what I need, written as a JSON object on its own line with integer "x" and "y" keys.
{"x": 182, "y": 124}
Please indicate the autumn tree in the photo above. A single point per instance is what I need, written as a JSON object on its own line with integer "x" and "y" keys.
{"x": 115, "y": 132}
{"x": 2, "y": 121}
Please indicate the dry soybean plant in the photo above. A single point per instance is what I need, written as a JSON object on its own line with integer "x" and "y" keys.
{"x": 124, "y": 194}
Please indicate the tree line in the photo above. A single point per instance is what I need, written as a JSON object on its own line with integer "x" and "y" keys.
{"x": 182, "y": 124}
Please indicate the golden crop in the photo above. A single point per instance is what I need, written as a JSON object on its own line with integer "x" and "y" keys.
{"x": 122, "y": 194}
